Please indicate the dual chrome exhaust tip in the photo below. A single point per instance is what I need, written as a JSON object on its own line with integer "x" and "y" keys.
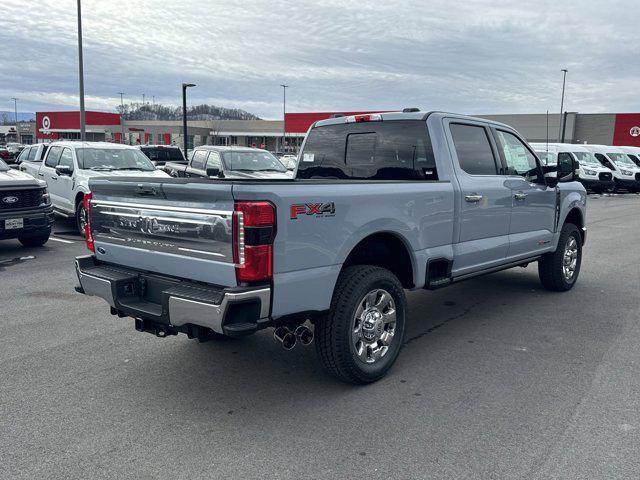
{"x": 289, "y": 338}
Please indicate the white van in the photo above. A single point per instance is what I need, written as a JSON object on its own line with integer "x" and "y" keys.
{"x": 626, "y": 174}
{"x": 592, "y": 174}
{"x": 633, "y": 153}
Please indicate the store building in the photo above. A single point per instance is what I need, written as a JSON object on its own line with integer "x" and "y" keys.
{"x": 595, "y": 128}
{"x": 573, "y": 127}
{"x": 101, "y": 126}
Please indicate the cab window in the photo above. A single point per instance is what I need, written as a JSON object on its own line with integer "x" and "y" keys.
{"x": 518, "y": 158}
{"x": 53, "y": 157}
{"x": 198, "y": 160}
{"x": 24, "y": 154}
{"x": 32, "y": 154}
{"x": 66, "y": 158}
{"x": 214, "y": 161}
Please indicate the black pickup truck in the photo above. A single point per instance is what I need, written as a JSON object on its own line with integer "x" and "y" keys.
{"x": 25, "y": 208}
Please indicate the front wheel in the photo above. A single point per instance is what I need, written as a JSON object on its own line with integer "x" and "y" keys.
{"x": 361, "y": 337}
{"x": 558, "y": 271}
{"x": 36, "y": 240}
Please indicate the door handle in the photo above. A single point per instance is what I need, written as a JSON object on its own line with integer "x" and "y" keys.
{"x": 53, "y": 177}
{"x": 40, "y": 174}
{"x": 472, "y": 198}
{"x": 520, "y": 196}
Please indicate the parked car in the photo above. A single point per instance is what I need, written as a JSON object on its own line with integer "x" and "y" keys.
{"x": 161, "y": 154}
{"x": 4, "y": 154}
{"x": 25, "y": 208}
{"x": 229, "y": 163}
{"x": 591, "y": 173}
{"x": 14, "y": 150}
{"x": 289, "y": 161}
{"x": 626, "y": 174}
{"x": 32, "y": 154}
{"x": 68, "y": 166}
{"x": 381, "y": 203}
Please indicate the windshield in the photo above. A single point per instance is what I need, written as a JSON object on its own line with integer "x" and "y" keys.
{"x": 621, "y": 159}
{"x": 587, "y": 158}
{"x": 547, "y": 158}
{"x": 252, "y": 161}
{"x": 3, "y": 166}
{"x": 113, "y": 159}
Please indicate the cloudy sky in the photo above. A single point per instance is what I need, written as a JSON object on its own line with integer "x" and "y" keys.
{"x": 472, "y": 56}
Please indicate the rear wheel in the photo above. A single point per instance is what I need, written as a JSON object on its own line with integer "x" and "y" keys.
{"x": 81, "y": 217}
{"x": 558, "y": 271}
{"x": 361, "y": 337}
{"x": 36, "y": 240}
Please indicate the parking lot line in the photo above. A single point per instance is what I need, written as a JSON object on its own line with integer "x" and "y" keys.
{"x": 60, "y": 240}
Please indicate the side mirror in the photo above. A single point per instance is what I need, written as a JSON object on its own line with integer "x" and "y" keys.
{"x": 213, "y": 172}
{"x": 64, "y": 170}
{"x": 567, "y": 168}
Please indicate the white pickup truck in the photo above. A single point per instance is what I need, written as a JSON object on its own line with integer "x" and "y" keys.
{"x": 68, "y": 166}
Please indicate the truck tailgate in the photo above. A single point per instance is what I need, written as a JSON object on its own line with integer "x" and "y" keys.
{"x": 177, "y": 227}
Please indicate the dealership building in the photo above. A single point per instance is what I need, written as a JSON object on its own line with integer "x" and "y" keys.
{"x": 572, "y": 127}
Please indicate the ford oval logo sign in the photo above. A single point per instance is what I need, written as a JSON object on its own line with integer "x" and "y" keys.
{"x": 10, "y": 199}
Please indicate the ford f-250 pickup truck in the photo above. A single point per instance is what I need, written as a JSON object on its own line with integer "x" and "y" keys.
{"x": 381, "y": 203}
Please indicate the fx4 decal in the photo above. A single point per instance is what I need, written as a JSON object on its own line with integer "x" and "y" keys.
{"x": 318, "y": 209}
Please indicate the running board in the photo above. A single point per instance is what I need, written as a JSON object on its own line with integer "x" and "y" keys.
{"x": 498, "y": 268}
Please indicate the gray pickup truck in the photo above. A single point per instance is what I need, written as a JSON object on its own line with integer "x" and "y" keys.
{"x": 381, "y": 203}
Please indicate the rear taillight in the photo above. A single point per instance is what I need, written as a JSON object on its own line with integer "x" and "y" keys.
{"x": 88, "y": 234}
{"x": 253, "y": 234}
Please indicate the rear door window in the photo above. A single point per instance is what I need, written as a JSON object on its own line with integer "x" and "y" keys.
{"x": 473, "y": 149}
{"x": 391, "y": 150}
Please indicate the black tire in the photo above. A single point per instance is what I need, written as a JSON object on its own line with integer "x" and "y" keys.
{"x": 80, "y": 213}
{"x": 36, "y": 240}
{"x": 550, "y": 266}
{"x": 333, "y": 333}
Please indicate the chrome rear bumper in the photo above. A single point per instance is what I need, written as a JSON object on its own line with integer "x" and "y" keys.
{"x": 174, "y": 302}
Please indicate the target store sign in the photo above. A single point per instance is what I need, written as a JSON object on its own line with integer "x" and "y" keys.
{"x": 627, "y": 130}
{"x": 48, "y": 124}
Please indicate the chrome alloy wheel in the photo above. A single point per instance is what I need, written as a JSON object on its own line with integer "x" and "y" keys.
{"x": 82, "y": 218}
{"x": 374, "y": 326}
{"x": 570, "y": 258}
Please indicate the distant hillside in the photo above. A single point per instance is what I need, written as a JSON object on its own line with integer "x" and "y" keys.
{"x": 147, "y": 111}
{"x": 9, "y": 118}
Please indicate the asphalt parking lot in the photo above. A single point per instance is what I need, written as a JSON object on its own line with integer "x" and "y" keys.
{"x": 498, "y": 379}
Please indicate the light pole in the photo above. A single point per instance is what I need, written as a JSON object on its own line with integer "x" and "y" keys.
{"x": 81, "y": 74}
{"x": 15, "y": 109}
{"x": 121, "y": 117}
{"x": 184, "y": 114}
{"x": 284, "y": 114}
{"x": 564, "y": 80}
